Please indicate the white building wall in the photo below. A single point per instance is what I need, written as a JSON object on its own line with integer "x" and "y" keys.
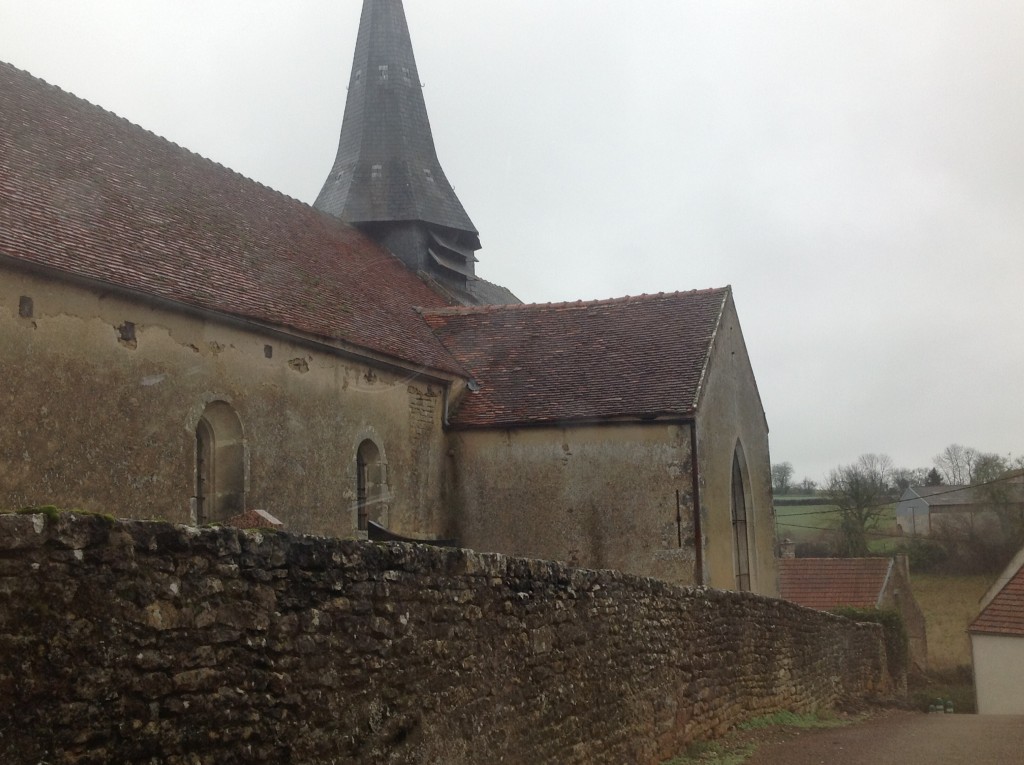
{"x": 912, "y": 517}
{"x": 998, "y": 674}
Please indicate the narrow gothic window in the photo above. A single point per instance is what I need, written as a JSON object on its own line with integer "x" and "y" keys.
{"x": 204, "y": 465}
{"x": 740, "y": 532}
{"x": 219, "y": 465}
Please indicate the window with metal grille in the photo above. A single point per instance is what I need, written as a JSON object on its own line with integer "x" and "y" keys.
{"x": 740, "y": 532}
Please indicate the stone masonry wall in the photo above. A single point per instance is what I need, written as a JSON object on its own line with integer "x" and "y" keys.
{"x": 146, "y": 642}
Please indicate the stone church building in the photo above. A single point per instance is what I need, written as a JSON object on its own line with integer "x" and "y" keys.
{"x": 178, "y": 342}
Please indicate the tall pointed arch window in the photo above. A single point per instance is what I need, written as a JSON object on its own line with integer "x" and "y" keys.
{"x": 219, "y": 464}
{"x": 740, "y": 526}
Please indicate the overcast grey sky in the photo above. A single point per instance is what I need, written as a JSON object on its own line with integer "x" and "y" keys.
{"x": 855, "y": 170}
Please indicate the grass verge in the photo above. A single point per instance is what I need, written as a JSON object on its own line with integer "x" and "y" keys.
{"x": 737, "y": 747}
{"x": 954, "y": 685}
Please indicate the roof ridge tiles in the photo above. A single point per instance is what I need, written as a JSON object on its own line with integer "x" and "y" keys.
{"x": 622, "y": 300}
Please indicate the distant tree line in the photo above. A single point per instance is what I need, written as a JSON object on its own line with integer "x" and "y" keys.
{"x": 863, "y": 491}
{"x": 782, "y": 481}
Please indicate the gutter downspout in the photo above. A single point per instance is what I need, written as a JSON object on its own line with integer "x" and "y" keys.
{"x": 698, "y": 535}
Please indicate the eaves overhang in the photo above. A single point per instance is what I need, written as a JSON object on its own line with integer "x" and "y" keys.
{"x": 580, "y": 422}
{"x": 327, "y": 345}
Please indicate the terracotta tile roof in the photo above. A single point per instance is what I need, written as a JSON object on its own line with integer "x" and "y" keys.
{"x": 254, "y": 519}
{"x": 630, "y": 357}
{"x": 88, "y": 193}
{"x": 1004, "y": 615}
{"x": 825, "y": 583}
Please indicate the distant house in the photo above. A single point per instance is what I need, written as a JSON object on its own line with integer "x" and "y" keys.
{"x": 997, "y": 644}
{"x": 923, "y": 510}
{"x": 826, "y": 584}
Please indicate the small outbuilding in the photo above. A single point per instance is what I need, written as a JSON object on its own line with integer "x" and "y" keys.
{"x": 925, "y": 510}
{"x": 997, "y": 644}
{"x": 826, "y": 584}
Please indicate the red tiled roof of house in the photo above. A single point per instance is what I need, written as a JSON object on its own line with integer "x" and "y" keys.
{"x": 629, "y": 357}
{"x": 87, "y": 193}
{"x": 825, "y": 583}
{"x": 1004, "y": 615}
{"x": 254, "y": 519}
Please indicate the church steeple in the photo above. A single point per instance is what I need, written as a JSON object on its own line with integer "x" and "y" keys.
{"x": 386, "y": 178}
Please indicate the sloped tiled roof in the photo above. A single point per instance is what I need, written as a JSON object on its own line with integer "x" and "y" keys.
{"x": 825, "y": 583}
{"x": 1009, "y": 490}
{"x": 629, "y": 357}
{"x": 944, "y": 495}
{"x": 1004, "y": 615}
{"x": 85, "y": 192}
{"x": 254, "y": 519}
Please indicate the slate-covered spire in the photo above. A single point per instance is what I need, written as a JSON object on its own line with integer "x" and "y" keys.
{"x": 386, "y": 178}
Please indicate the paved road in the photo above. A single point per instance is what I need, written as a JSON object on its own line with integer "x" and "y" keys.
{"x": 905, "y": 738}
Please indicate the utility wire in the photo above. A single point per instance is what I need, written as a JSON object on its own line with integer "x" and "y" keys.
{"x": 878, "y": 534}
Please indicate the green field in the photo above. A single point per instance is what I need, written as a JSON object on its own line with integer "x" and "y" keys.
{"x": 950, "y": 604}
{"x": 818, "y": 523}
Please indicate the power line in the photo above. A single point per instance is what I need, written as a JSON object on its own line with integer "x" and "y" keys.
{"x": 878, "y": 534}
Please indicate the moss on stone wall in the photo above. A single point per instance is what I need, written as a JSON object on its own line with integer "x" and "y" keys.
{"x": 897, "y": 643}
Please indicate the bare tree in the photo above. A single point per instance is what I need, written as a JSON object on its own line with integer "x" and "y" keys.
{"x": 860, "y": 491}
{"x": 782, "y": 473}
{"x": 904, "y": 478}
{"x": 989, "y": 466}
{"x": 990, "y": 471}
{"x": 956, "y": 464}
{"x": 807, "y": 486}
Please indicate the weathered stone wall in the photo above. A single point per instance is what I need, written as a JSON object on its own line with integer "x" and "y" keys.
{"x": 92, "y": 421}
{"x": 150, "y": 643}
{"x": 595, "y": 496}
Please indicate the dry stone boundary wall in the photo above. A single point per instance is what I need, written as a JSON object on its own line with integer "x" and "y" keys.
{"x": 141, "y": 642}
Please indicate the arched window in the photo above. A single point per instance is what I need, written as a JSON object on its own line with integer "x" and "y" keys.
{"x": 204, "y": 469}
{"x": 220, "y": 464}
{"x": 740, "y": 530}
{"x": 370, "y": 489}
